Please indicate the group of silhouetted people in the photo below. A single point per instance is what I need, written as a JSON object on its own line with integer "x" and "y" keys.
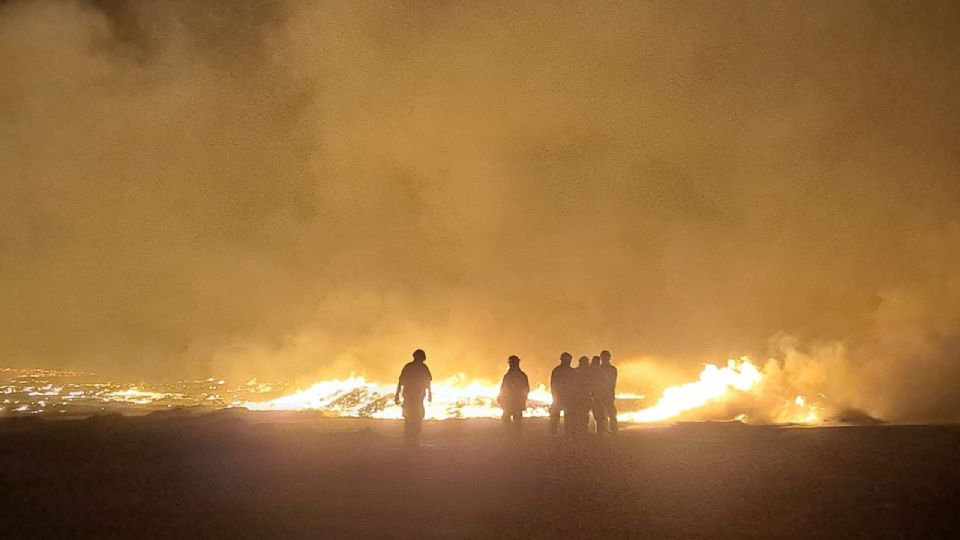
{"x": 589, "y": 389}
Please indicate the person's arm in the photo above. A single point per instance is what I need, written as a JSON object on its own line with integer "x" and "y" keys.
{"x": 429, "y": 386}
{"x": 396, "y": 397}
{"x": 526, "y": 389}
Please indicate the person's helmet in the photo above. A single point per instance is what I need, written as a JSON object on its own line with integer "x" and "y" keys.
{"x": 419, "y": 355}
{"x": 514, "y": 361}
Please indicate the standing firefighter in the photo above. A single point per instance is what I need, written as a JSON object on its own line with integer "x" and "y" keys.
{"x": 608, "y": 393}
{"x": 513, "y": 394}
{"x": 578, "y": 407}
{"x": 415, "y": 380}
{"x": 560, "y": 381}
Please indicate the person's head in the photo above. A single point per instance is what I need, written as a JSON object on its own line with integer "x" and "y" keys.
{"x": 595, "y": 361}
{"x": 584, "y": 361}
{"x": 565, "y": 359}
{"x": 514, "y": 362}
{"x": 605, "y": 357}
{"x": 419, "y": 355}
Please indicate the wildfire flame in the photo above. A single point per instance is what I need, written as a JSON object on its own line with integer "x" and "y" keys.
{"x": 737, "y": 390}
{"x": 458, "y": 397}
{"x": 715, "y": 383}
{"x": 453, "y": 398}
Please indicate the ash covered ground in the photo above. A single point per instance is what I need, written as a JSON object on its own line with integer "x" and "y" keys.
{"x": 238, "y": 474}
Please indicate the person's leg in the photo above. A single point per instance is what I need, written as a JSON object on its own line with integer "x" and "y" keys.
{"x": 407, "y": 422}
{"x": 413, "y": 414}
{"x": 554, "y": 418}
{"x": 580, "y": 417}
{"x": 600, "y": 417}
{"x": 421, "y": 413}
{"x": 612, "y": 415}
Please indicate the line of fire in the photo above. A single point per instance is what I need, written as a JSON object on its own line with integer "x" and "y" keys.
{"x": 730, "y": 391}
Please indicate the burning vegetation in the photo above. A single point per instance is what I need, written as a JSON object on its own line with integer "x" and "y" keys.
{"x": 737, "y": 390}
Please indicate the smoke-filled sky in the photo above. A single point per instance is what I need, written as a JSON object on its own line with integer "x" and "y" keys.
{"x": 289, "y": 188}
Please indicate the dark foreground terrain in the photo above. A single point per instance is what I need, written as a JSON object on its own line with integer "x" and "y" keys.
{"x": 235, "y": 474}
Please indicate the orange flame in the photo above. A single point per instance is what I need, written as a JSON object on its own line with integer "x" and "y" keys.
{"x": 457, "y": 397}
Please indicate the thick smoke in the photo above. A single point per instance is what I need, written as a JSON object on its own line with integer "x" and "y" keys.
{"x": 291, "y": 188}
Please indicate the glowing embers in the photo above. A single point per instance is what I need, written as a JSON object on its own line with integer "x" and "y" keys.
{"x": 47, "y": 391}
{"x": 138, "y": 396}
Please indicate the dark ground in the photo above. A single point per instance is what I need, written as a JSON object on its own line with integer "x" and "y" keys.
{"x": 296, "y": 475}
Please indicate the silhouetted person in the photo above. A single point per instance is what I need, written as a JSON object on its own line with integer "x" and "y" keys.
{"x": 513, "y": 394}
{"x": 561, "y": 379}
{"x": 579, "y": 403}
{"x": 608, "y": 393}
{"x": 415, "y": 379}
{"x": 597, "y": 391}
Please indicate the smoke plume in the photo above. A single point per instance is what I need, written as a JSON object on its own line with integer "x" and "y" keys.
{"x": 292, "y": 188}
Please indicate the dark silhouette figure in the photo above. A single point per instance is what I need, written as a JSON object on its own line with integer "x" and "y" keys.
{"x": 561, "y": 380}
{"x": 513, "y": 394}
{"x": 579, "y": 403}
{"x": 597, "y": 402}
{"x": 608, "y": 394}
{"x": 415, "y": 379}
